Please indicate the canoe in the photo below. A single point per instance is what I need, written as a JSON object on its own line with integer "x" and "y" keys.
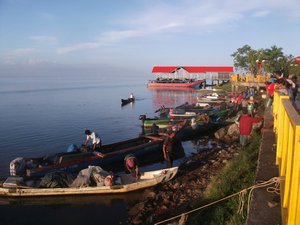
{"x": 73, "y": 162}
{"x": 161, "y": 123}
{"x": 126, "y": 183}
{"x": 190, "y": 132}
{"x": 126, "y": 101}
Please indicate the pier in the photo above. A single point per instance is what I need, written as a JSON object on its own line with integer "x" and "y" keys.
{"x": 248, "y": 80}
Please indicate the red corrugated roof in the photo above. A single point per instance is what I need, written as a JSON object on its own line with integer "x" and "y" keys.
{"x": 164, "y": 69}
{"x": 298, "y": 59}
{"x": 208, "y": 69}
{"x": 193, "y": 69}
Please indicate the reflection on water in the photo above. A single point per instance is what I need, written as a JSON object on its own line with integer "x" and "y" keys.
{"x": 171, "y": 98}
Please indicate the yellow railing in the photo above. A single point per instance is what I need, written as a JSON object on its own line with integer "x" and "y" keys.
{"x": 287, "y": 130}
{"x": 250, "y": 78}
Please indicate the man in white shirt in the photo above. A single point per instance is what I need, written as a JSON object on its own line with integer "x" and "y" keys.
{"x": 96, "y": 141}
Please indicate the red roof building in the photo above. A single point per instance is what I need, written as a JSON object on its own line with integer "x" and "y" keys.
{"x": 193, "y": 69}
{"x": 193, "y": 72}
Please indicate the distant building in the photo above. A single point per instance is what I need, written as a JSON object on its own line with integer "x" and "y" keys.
{"x": 193, "y": 72}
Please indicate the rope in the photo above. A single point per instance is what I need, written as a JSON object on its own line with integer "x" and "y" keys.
{"x": 241, "y": 202}
{"x": 242, "y": 194}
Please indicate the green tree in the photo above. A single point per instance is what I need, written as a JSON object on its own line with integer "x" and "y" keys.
{"x": 271, "y": 59}
{"x": 241, "y": 58}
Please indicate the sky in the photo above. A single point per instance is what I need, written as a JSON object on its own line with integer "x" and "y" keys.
{"x": 131, "y": 36}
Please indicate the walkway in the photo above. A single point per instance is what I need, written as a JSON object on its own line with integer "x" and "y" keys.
{"x": 265, "y": 207}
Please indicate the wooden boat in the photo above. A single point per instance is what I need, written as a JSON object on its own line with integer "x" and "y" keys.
{"x": 214, "y": 121}
{"x": 73, "y": 162}
{"x": 126, "y": 184}
{"x": 126, "y": 101}
{"x": 171, "y": 83}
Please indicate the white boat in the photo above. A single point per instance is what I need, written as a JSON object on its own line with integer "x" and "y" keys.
{"x": 127, "y": 184}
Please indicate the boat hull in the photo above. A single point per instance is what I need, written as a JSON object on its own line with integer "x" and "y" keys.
{"x": 170, "y": 84}
{"x": 128, "y": 184}
{"x": 127, "y": 101}
{"x": 113, "y": 160}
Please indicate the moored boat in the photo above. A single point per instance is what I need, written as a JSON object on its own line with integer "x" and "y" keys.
{"x": 73, "y": 162}
{"x": 124, "y": 184}
{"x": 172, "y": 83}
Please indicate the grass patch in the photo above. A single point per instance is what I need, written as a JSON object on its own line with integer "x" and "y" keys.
{"x": 224, "y": 87}
{"x": 237, "y": 175}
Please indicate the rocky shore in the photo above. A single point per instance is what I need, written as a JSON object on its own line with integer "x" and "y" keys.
{"x": 180, "y": 194}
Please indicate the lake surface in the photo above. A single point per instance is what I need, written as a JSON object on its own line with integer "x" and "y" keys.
{"x": 43, "y": 115}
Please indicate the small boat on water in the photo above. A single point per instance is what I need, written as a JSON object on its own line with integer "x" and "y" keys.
{"x": 126, "y": 101}
{"x": 73, "y": 162}
{"x": 125, "y": 183}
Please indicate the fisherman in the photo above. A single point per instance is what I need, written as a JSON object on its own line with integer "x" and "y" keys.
{"x": 168, "y": 148}
{"x": 154, "y": 129}
{"x": 96, "y": 141}
{"x": 132, "y": 166}
{"x": 131, "y": 95}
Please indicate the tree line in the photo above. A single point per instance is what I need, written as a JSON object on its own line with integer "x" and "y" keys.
{"x": 264, "y": 61}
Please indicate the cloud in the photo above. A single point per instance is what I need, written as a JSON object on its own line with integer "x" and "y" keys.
{"x": 77, "y": 47}
{"x": 262, "y": 13}
{"x": 44, "y": 39}
{"x": 21, "y": 52}
{"x": 187, "y": 17}
{"x": 46, "y": 16}
{"x": 34, "y": 61}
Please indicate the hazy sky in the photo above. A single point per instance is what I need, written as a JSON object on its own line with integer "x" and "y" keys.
{"x": 134, "y": 35}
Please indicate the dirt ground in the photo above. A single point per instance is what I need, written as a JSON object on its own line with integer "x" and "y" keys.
{"x": 180, "y": 194}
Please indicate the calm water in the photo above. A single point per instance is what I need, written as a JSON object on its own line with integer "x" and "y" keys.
{"x": 42, "y": 115}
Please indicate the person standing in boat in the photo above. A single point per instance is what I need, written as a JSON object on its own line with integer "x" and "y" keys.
{"x": 168, "y": 148}
{"x": 132, "y": 166}
{"x": 154, "y": 129}
{"x": 96, "y": 141}
{"x": 131, "y": 96}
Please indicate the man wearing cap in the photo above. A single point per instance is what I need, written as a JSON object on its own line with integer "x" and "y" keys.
{"x": 132, "y": 166}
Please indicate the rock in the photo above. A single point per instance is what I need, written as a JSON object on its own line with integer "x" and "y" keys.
{"x": 272, "y": 204}
{"x": 136, "y": 220}
{"x": 233, "y": 130}
{"x": 136, "y": 209}
{"x": 163, "y": 207}
{"x": 224, "y": 161}
{"x": 219, "y": 134}
{"x": 148, "y": 194}
{"x": 176, "y": 185}
{"x": 166, "y": 202}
